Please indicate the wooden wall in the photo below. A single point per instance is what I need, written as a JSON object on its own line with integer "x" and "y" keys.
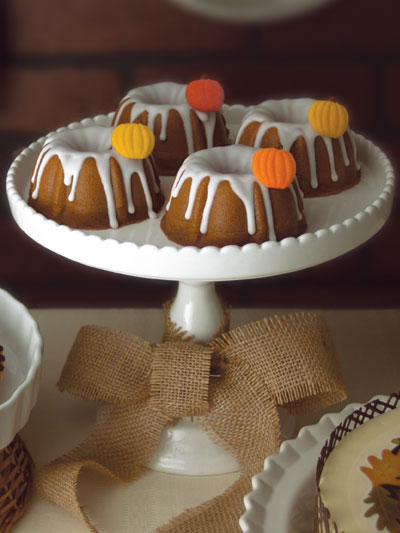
{"x": 62, "y": 61}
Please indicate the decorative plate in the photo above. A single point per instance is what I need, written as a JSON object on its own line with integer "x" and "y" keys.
{"x": 283, "y": 495}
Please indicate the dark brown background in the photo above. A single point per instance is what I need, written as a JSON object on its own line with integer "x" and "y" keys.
{"x": 62, "y": 61}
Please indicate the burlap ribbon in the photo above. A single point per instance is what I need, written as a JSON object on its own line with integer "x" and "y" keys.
{"x": 234, "y": 384}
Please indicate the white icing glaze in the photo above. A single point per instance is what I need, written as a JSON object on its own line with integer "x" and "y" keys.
{"x": 289, "y": 117}
{"x": 158, "y": 100}
{"x": 74, "y": 146}
{"x": 231, "y": 164}
{"x": 343, "y": 485}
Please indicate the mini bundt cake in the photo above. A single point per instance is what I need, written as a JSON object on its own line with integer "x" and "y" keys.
{"x": 82, "y": 181}
{"x": 216, "y": 199}
{"x": 184, "y": 119}
{"x": 315, "y": 132}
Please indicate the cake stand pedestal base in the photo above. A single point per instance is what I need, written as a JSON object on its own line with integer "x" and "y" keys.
{"x": 185, "y": 448}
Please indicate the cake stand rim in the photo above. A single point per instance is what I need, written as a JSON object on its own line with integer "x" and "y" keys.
{"x": 200, "y": 264}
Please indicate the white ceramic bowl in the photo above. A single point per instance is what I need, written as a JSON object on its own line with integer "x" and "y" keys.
{"x": 20, "y": 337}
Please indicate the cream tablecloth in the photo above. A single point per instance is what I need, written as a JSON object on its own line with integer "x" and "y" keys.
{"x": 367, "y": 341}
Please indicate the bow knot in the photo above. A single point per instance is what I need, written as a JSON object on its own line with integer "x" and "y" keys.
{"x": 179, "y": 382}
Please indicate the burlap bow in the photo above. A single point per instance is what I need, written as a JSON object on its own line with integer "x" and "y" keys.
{"x": 234, "y": 384}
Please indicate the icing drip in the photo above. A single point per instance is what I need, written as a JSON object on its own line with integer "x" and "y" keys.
{"x": 268, "y": 210}
{"x": 73, "y": 147}
{"x": 289, "y": 117}
{"x": 329, "y": 147}
{"x": 158, "y": 100}
{"x": 231, "y": 164}
{"x": 344, "y": 151}
{"x": 296, "y": 201}
{"x": 354, "y": 147}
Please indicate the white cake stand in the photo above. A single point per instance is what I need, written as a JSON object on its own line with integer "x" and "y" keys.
{"x": 336, "y": 224}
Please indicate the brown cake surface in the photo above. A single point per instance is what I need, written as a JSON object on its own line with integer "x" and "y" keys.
{"x": 216, "y": 200}
{"x": 79, "y": 180}
{"x": 325, "y": 165}
{"x": 179, "y": 129}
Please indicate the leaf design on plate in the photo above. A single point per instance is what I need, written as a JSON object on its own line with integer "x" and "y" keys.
{"x": 385, "y": 471}
{"x": 385, "y": 502}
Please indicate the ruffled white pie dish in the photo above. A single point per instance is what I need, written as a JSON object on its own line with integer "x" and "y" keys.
{"x": 283, "y": 495}
{"x": 20, "y": 337}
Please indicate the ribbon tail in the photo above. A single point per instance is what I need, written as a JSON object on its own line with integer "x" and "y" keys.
{"x": 120, "y": 446}
{"x": 244, "y": 421}
{"x": 219, "y": 514}
{"x": 57, "y": 483}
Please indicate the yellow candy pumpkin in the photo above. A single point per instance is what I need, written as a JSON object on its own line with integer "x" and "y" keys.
{"x": 328, "y": 118}
{"x": 134, "y": 141}
{"x": 273, "y": 167}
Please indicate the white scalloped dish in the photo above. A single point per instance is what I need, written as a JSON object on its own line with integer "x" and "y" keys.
{"x": 20, "y": 337}
{"x": 336, "y": 224}
{"x": 283, "y": 495}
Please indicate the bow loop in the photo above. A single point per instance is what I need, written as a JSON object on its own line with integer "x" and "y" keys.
{"x": 180, "y": 378}
{"x": 108, "y": 365}
{"x": 294, "y": 357}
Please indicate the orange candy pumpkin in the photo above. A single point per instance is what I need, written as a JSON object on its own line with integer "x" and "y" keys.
{"x": 205, "y": 95}
{"x": 273, "y": 167}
